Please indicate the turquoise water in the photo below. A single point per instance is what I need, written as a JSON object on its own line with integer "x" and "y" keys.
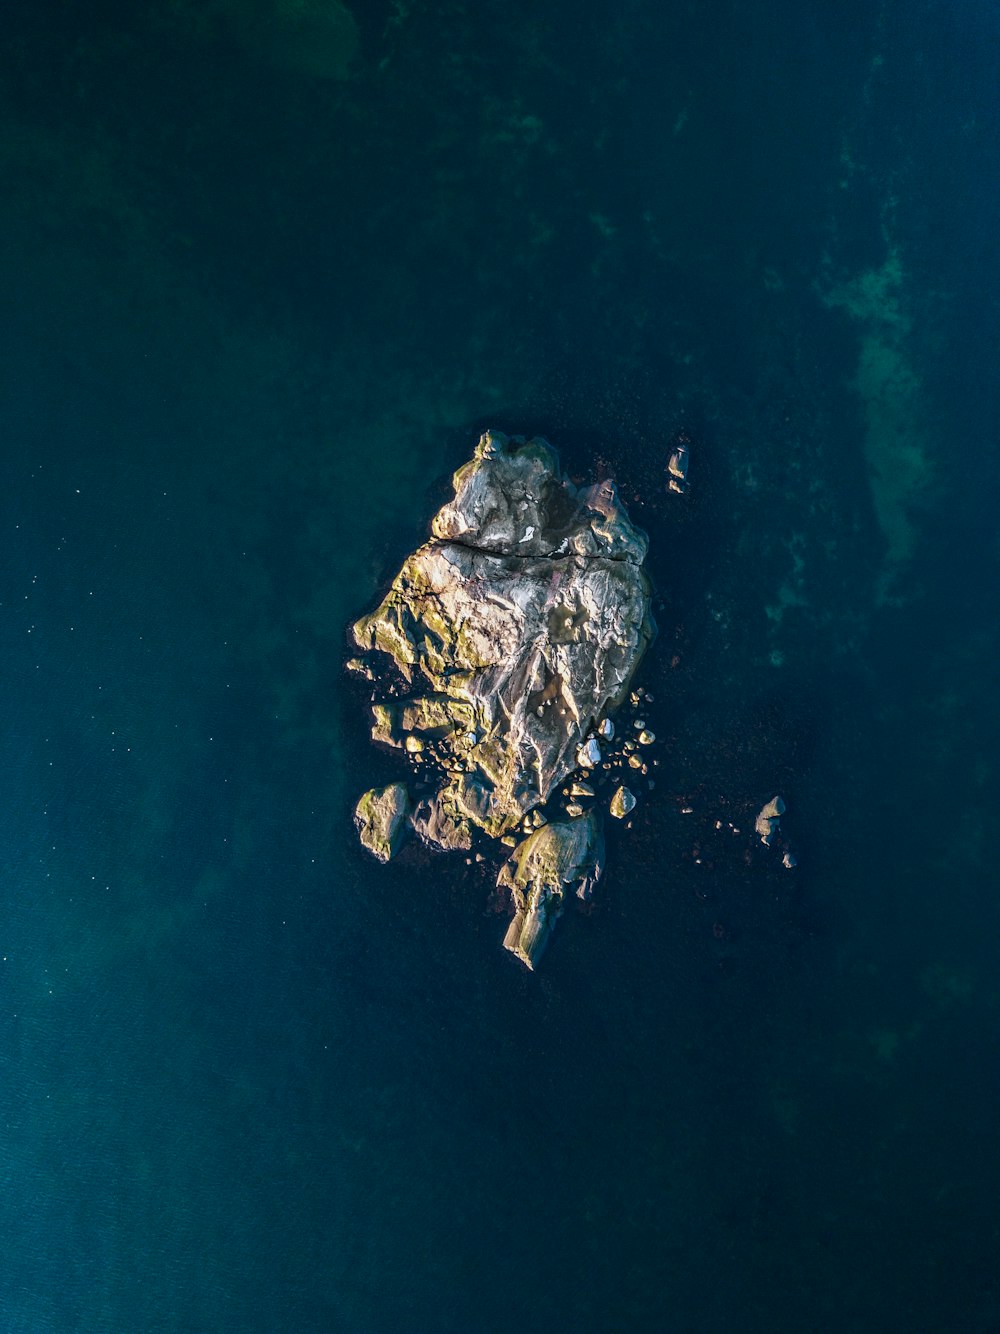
{"x": 267, "y": 270}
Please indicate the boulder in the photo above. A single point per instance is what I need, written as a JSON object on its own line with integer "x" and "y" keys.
{"x": 622, "y": 803}
{"x": 439, "y": 823}
{"x": 768, "y": 821}
{"x": 555, "y": 861}
{"x": 381, "y": 819}
{"x": 589, "y": 754}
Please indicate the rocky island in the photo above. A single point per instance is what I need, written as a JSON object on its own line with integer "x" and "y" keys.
{"x": 514, "y": 633}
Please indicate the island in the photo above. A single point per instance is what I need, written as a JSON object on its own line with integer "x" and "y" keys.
{"x": 509, "y": 639}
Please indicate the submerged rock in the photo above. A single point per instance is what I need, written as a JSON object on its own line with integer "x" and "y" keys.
{"x": 381, "y": 818}
{"x": 553, "y": 862}
{"x": 439, "y": 823}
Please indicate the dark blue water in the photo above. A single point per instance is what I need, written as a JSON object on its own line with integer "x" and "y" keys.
{"x": 266, "y": 270}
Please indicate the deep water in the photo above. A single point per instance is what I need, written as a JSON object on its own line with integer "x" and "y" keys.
{"x": 266, "y": 271}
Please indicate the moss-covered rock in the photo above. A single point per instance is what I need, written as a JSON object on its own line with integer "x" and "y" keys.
{"x": 382, "y": 818}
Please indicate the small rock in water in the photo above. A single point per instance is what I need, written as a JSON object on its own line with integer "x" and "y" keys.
{"x": 789, "y": 860}
{"x": 607, "y": 729}
{"x": 414, "y": 745}
{"x": 574, "y": 811}
{"x": 646, "y": 738}
{"x": 381, "y": 817}
{"x": 589, "y": 755}
{"x": 768, "y": 822}
{"x": 621, "y": 803}
{"x": 581, "y": 790}
{"x": 678, "y": 469}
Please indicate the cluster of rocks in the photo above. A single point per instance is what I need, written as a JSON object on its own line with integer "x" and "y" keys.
{"x": 515, "y": 632}
{"x": 677, "y": 468}
{"x": 607, "y": 757}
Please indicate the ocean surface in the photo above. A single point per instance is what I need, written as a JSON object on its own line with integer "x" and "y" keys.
{"x": 267, "y": 269}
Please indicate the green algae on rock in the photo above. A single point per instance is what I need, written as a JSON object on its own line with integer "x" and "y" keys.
{"x": 517, "y": 627}
{"x": 381, "y": 817}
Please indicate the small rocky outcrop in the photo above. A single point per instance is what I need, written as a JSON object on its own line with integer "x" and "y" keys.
{"x": 622, "y": 803}
{"x": 381, "y": 818}
{"x": 768, "y": 820}
{"x": 552, "y": 863}
{"x": 517, "y": 629}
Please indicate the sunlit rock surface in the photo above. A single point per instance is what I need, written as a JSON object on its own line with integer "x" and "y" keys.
{"x": 553, "y": 862}
{"x": 517, "y": 629}
{"x": 381, "y": 818}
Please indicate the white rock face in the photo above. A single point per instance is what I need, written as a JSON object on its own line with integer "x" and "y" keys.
{"x": 380, "y": 817}
{"x": 589, "y": 755}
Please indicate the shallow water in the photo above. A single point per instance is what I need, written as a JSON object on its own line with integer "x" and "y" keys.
{"x": 267, "y": 273}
